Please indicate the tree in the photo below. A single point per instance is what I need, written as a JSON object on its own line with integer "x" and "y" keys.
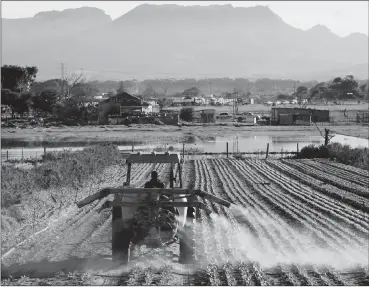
{"x": 186, "y": 114}
{"x": 344, "y": 87}
{"x": 327, "y": 136}
{"x": 45, "y": 101}
{"x": 363, "y": 88}
{"x": 16, "y": 78}
{"x": 9, "y": 98}
{"x": 22, "y": 103}
{"x": 284, "y": 97}
{"x": 192, "y": 92}
{"x": 55, "y": 85}
{"x": 300, "y": 91}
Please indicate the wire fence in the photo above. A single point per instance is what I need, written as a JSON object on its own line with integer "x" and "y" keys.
{"x": 188, "y": 150}
{"x": 23, "y": 154}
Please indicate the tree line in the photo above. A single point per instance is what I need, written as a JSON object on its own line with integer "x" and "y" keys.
{"x": 73, "y": 97}
{"x": 65, "y": 99}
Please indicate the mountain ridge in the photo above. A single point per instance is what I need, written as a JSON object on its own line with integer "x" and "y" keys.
{"x": 186, "y": 40}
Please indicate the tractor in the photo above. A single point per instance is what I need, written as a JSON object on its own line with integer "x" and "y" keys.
{"x": 140, "y": 216}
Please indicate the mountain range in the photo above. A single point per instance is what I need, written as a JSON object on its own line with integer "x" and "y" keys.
{"x": 171, "y": 41}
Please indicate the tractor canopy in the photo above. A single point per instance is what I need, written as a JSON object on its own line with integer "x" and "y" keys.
{"x": 154, "y": 158}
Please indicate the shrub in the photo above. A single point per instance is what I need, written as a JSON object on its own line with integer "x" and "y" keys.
{"x": 186, "y": 114}
{"x": 63, "y": 169}
{"x": 357, "y": 157}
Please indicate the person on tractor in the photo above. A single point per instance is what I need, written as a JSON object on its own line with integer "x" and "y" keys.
{"x": 154, "y": 182}
{"x": 166, "y": 216}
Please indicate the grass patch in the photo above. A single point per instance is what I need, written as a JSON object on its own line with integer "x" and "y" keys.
{"x": 358, "y": 157}
{"x": 30, "y": 195}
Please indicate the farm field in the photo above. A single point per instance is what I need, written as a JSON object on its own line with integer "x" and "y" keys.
{"x": 292, "y": 222}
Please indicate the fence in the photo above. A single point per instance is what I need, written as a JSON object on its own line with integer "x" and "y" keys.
{"x": 187, "y": 150}
{"x": 21, "y": 154}
{"x": 346, "y": 116}
{"x": 194, "y": 154}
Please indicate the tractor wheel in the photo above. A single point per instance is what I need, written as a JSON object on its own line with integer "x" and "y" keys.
{"x": 121, "y": 238}
{"x": 187, "y": 238}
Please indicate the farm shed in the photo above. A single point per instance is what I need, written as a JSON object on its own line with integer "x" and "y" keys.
{"x": 302, "y": 120}
{"x": 205, "y": 116}
{"x": 362, "y": 117}
{"x": 286, "y": 119}
{"x": 316, "y": 115}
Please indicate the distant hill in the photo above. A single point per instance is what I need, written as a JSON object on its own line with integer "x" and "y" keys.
{"x": 153, "y": 41}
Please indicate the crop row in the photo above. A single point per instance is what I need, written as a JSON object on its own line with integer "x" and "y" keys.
{"x": 326, "y": 177}
{"x": 328, "y": 235}
{"x": 254, "y": 215}
{"x": 338, "y": 171}
{"x": 338, "y": 194}
{"x": 341, "y": 213}
{"x": 288, "y": 210}
{"x": 344, "y": 167}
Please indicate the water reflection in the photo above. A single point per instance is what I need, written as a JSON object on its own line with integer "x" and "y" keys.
{"x": 252, "y": 143}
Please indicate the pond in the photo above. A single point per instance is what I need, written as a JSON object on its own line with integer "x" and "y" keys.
{"x": 253, "y": 143}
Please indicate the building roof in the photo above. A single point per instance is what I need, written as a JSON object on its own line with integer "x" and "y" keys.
{"x": 127, "y": 99}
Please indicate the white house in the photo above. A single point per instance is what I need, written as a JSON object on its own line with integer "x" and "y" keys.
{"x": 147, "y": 109}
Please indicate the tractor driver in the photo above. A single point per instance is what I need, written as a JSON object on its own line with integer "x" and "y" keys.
{"x": 154, "y": 182}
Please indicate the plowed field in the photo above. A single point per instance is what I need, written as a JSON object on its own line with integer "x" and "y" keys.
{"x": 292, "y": 222}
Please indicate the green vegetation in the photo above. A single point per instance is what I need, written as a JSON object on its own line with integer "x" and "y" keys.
{"x": 61, "y": 169}
{"x": 358, "y": 157}
{"x": 186, "y": 114}
{"x": 67, "y": 99}
{"x": 29, "y": 195}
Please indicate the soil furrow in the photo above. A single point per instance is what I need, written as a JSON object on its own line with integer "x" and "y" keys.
{"x": 338, "y": 182}
{"x": 337, "y": 226}
{"x": 345, "y": 175}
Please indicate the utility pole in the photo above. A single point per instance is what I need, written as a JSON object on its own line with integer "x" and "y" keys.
{"x": 210, "y": 88}
{"x": 235, "y": 103}
{"x": 62, "y": 77}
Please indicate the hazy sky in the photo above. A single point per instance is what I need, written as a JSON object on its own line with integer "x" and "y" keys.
{"x": 341, "y": 17}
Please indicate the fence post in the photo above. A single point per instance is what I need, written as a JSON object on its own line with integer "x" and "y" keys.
{"x": 183, "y": 151}
{"x": 44, "y": 150}
{"x": 132, "y": 146}
{"x": 267, "y": 152}
{"x": 7, "y": 155}
{"x": 297, "y": 155}
{"x": 227, "y": 149}
{"x": 22, "y": 154}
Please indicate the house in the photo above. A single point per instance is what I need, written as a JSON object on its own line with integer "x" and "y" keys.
{"x": 6, "y": 111}
{"x": 121, "y": 103}
{"x": 298, "y": 116}
{"x": 183, "y": 102}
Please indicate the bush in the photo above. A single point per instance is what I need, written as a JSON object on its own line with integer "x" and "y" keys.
{"x": 358, "y": 157}
{"x": 63, "y": 169}
{"x": 186, "y": 114}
